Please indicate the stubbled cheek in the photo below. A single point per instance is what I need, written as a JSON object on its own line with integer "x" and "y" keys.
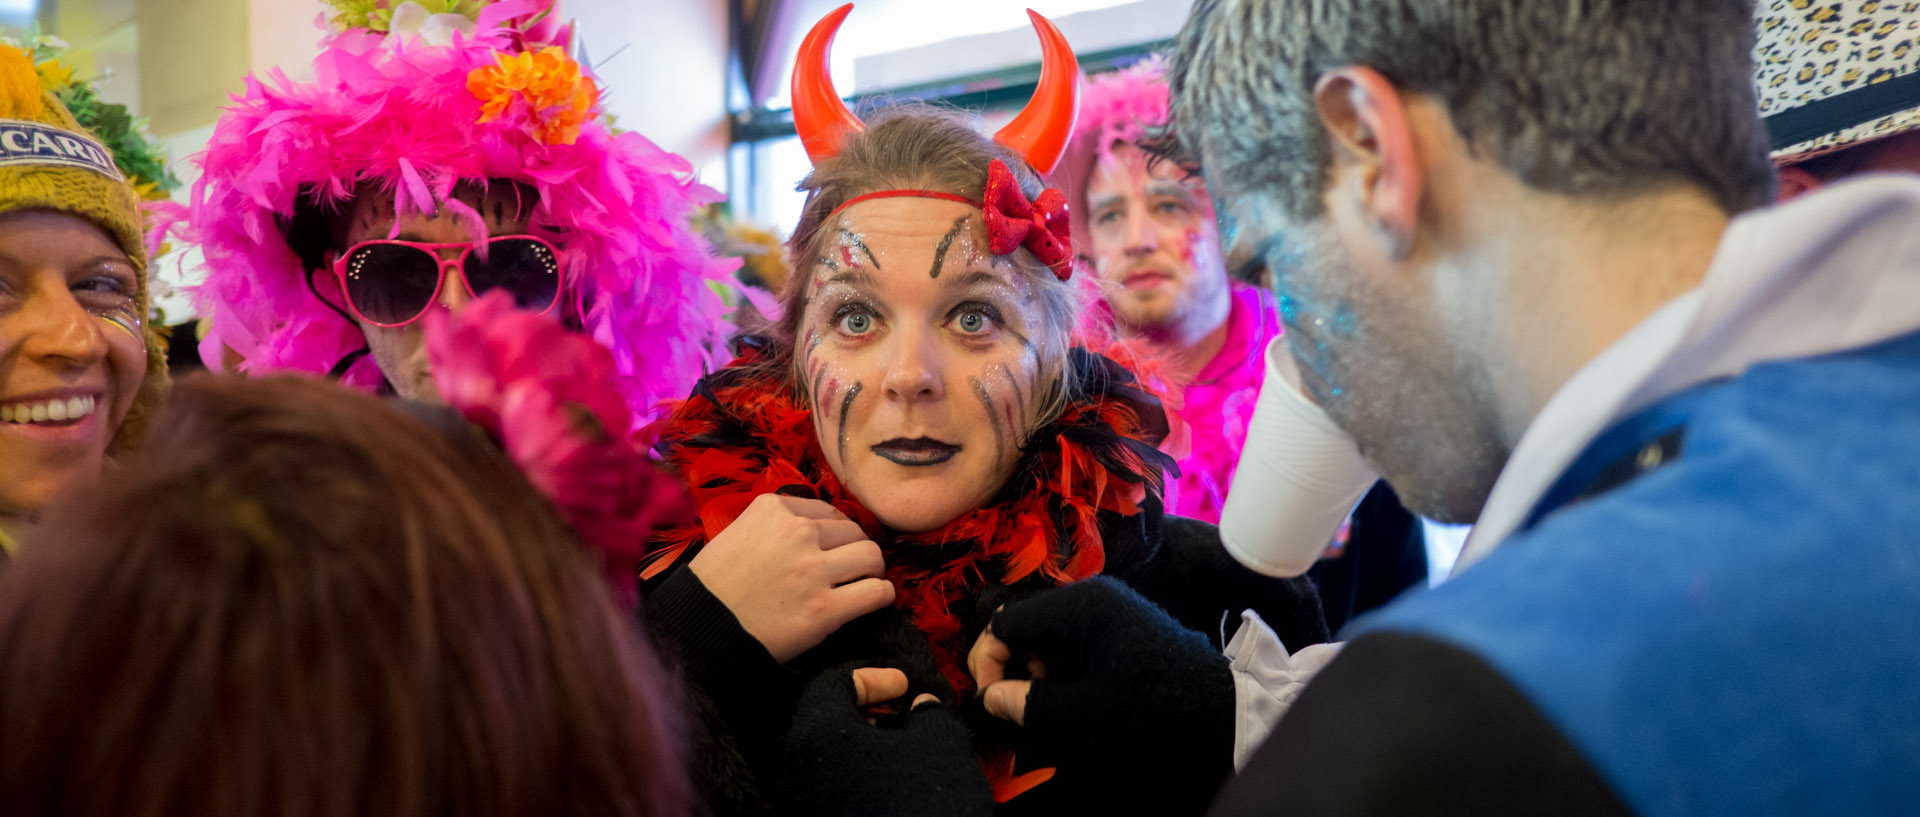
{"x": 1321, "y": 330}
{"x": 1189, "y": 247}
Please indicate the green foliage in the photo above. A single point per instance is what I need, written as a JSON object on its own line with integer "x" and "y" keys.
{"x": 126, "y": 137}
{"x": 378, "y": 14}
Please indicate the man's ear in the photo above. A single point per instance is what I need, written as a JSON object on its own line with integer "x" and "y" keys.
{"x": 1367, "y": 127}
{"x": 1795, "y": 182}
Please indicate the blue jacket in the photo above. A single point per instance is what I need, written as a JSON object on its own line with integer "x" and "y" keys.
{"x": 1715, "y": 609}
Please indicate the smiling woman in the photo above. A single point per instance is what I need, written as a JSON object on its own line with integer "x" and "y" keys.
{"x": 918, "y": 440}
{"x": 78, "y": 365}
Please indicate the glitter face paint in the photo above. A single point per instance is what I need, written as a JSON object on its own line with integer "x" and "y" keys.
{"x": 846, "y": 410}
{"x": 922, "y": 386}
{"x": 1320, "y": 325}
{"x": 946, "y": 243}
{"x": 993, "y": 411}
{"x": 851, "y": 241}
{"x": 63, "y": 283}
{"x": 126, "y": 321}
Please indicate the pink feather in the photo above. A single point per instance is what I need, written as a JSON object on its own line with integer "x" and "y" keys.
{"x": 403, "y": 119}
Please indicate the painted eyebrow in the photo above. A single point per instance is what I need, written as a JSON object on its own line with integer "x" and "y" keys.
{"x": 946, "y": 243}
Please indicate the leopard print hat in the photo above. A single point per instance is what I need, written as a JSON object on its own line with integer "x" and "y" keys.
{"x": 1836, "y": 74}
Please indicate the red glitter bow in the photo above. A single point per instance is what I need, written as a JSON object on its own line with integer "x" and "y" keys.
{"x": 1041, "y": 225}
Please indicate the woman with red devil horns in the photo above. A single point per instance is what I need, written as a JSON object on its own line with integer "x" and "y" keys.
{"x": 917, "y": 442}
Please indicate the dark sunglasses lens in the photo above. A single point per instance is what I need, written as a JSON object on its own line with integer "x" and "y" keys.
{"x": 525, "y": 268}
{"x": 390, "y": 283}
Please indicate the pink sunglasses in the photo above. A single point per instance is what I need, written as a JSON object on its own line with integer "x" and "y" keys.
{"x": 393, "y": 283}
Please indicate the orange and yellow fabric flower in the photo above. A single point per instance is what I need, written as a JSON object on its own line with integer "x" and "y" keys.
{"x": 559, "y": 99}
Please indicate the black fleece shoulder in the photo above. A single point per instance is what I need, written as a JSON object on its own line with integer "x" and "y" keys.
{"x": 1191, "y": 574}
{"x": 739, "y": 697}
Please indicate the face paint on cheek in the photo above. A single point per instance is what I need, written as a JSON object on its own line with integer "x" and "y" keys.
{"x": 1032, "y": 351}
{"x": 823, "y": 398}
{"x": 1020, "y": 397}
{"x": 814, "y": 366}
{"x": 126, "y": 321}
{"x": 993, "y": 416}
{"x": 1307, "y": 323}
{"x": 846, "y": 408}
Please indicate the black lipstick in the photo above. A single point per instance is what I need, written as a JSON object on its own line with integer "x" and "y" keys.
{"x": 916, "y": 452}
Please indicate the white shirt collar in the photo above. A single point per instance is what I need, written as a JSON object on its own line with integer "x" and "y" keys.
{"x": 1836, "y": 269}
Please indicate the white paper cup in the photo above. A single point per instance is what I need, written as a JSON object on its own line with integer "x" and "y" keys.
{"x": 1299, "y": 477}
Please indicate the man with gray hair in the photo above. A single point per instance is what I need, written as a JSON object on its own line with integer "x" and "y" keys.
{"x": 1516, "y": 264}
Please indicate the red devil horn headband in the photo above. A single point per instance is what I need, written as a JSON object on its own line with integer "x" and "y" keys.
{"x": 1039, "y": 133}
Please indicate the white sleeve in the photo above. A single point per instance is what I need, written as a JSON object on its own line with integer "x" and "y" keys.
{"x": 1299, "y": 477}
{"x": 1266, "y": 680}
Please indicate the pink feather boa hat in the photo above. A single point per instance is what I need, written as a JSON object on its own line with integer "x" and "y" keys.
{"x": 397, "y": 112}
{"x": 1117, "y": 106}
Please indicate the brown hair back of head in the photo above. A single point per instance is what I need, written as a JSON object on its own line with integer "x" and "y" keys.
{"x": 300, "y": 600}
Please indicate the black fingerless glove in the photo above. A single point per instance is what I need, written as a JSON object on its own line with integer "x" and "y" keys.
{"x": 1136, "y": 706}
{"x": 838, "y": 764}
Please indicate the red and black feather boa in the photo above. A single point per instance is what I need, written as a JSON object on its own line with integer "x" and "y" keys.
{"x": 743, "y": 434}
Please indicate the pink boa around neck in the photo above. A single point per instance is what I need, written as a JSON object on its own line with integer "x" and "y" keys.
{"x": 399, "y": 113}
{"x": 1218, "y": 405}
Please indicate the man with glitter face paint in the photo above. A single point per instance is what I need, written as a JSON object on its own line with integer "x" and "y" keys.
{"x": 1537, "y": 286}
{"x": 434, "y": 158}
{"x": 1147, "y": 229}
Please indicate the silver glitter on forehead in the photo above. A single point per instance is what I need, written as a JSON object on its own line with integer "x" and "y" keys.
{"x": 968, "y": 247}
{"x": 853, "y": 248}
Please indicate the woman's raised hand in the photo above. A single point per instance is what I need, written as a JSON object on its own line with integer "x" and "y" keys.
{"x": 792, "y": 571}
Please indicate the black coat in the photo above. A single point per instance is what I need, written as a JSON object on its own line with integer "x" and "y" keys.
{"x": 742, "y": 701}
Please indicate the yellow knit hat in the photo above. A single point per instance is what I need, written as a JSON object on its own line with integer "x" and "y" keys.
{"x": 49, "y": 162}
